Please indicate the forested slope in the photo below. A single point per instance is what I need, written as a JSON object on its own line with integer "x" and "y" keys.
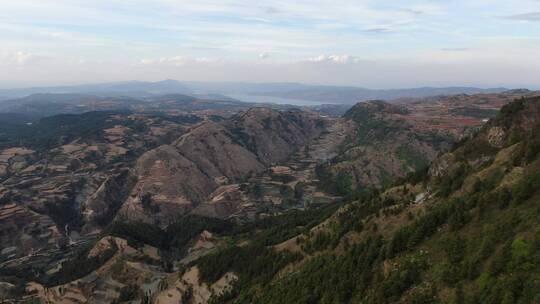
{"x": 466, "y": 231}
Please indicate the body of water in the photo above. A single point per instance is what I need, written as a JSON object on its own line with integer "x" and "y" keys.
{"x": 272, "y": 99}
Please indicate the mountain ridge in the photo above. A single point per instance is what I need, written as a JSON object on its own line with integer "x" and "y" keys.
{"x": 317, "y": 93}
{"x": 214, "y": 154}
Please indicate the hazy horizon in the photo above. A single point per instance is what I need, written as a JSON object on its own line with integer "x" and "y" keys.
{"x": 7, "y": 86}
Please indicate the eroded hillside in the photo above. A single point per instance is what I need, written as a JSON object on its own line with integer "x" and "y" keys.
{"x": 239, "y": 211}
{"x": 174, "y": 179}
{"x": 72, "y": 175}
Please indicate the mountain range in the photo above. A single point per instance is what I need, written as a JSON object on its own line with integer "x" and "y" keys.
{"x": 315, "y": 94}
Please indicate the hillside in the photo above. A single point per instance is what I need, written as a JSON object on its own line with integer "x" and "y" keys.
{"x": 67, "y": 175}
{"x": 466, "y": 232}
{"x": 233, "y": 212}
{"x": 381, "y": 146}
{"x": 387, "y": 141}
{"x": 176, "y": 178}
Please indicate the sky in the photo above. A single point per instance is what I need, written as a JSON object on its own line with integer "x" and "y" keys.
{"x": 374, "y": 44}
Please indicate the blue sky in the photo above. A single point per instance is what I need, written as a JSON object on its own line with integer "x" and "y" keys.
{"x": 379, "y": 44}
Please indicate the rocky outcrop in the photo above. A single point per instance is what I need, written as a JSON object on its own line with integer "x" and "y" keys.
{"x": 496, "y": 137}
{"x": 441, "y": 166}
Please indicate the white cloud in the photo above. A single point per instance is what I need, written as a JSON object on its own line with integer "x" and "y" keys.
{"x": 176, "y": 61}
{"x": 341, "y": 59}
{"x": 22, "y": 57}
{"x": 206, "y": 60}
{"x": 19, "y": 58}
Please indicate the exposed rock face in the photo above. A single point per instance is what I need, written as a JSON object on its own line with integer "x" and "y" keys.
{"x": 496, "y": 136}
{"x": 441, "y": 165}
{"x": 175, "y": 178}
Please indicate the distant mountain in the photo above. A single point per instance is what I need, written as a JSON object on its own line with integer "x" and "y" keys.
{"x": 40, "y": 105}
{"x": 351, "y": 95}
{"x": 127, "y": 88}
{"x": 46, "y": 104}
{"x": 292, "y": 91}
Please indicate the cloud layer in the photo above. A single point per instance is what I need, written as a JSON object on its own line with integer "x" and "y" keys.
{"x": 274, "y": 40}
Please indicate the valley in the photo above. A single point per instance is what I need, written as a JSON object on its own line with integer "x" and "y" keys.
{"x": 149, "y": 199}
